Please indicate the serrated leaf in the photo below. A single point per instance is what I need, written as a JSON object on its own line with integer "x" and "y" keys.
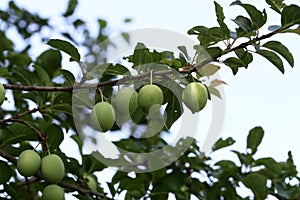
{"x": 290, "y": 16}
{"x": 66, "y": 47}
{"x": 254, "y": 138}
{"x": 273, "y": 58}
{"x": 258, "y": 184}
{"x": 280, "y": 49}
{"x": 71, "y": 8}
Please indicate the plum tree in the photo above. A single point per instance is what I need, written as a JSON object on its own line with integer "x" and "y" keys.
{"x": 148, "y": 96}
{"x": 29, "y": 163}
{"x": 52, "y": 168}
{"x": 42, "y": 89}
{"x": 195, "y": 95}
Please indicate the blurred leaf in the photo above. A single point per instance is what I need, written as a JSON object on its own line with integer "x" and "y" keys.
{"x": 90, "y": 164}
{"x": 273, "y": 58}
{"x": 50, "y": 61}
{"x": 43, "y": 76}
{"x": 258, "y": 185}
{"x": 254, "y": 138}
{"x": 5, "y": 172}
{"x": 66, "y": 47}
{"x": 184, "y": 51}
{"x": 214, "y": 91}
{"x": 209, "y": 69}
{"x": 223, "y": 143}
{"x": 290, "y": 16}
{"x": 55, "y": 136}
{"x": 71, "y": 8}
{"x": 280, "y": 49}
{"x": 126, "y": 37}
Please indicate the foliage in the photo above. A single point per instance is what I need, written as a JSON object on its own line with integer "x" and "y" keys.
{"x": 39, "y": 81}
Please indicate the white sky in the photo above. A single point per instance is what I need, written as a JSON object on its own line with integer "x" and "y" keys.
{"x": 260, "y": 95}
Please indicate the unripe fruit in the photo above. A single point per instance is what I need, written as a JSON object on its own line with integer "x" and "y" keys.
{"x": 53, "y": 192}
{"x": 2, "y": 94}
{"x": 148, "y": 96}
{"x": 126, "y": 101}
{"x": 52, "y": 168}
{"x": 28, "y": 163}
{"x": 91, "y": 182}
{"x": 195, "y": 96}
{"x": 103, "y": 116}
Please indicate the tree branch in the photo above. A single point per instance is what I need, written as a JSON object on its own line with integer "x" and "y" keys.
{"x": 241, "y": 46}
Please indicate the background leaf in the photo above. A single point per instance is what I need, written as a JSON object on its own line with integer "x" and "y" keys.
{"x": 66, "y": 47}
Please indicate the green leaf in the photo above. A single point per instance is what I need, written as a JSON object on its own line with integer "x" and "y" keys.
{"x": 71, "y": 8}
{"x": 234, "y": 64}
{"x": 254, "y": 138}
{"x": 280, "y": 49}
{"x": 290, "y": 16}
{"x": 50, "y": 61}
{"x": 276, "y": 5}
{"x": 270, "y": 164}
{"x": 244, "y": 56}
{"x": 273, "y": 58}
{"x": 55, "y": 136}
{"x": 244, "y": 23}
{"x": 70, "y": 79}
{"x": 221, "y": 18}
{"x": 209, "y": 69}
{"x": 214, "y": 91}
{"x": 66, "y": 47}
{"x": 43, "y": 76}
{"x": 5, "y": 172}
{"x": 223, "y": 143}
{"x": 257, "y": 17}
{"x": 258, "y": 184}
{"x": 184, "y": 51}
{"x": 173, "y": 110}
